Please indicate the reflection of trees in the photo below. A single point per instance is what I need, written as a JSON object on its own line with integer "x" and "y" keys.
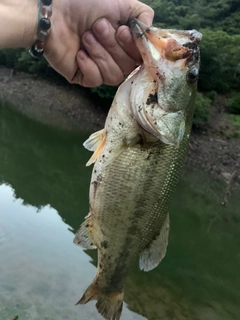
{"x": 153, "y": 294}
{"x": 44, "y": 166}
{"x": 201, "y": 270}
{"x": 154, "y": 300}
{"x": 199, "y": 274}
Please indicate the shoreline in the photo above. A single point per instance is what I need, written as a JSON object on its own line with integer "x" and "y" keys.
{"x": 70, "y": 107}
{"x": 60, "y": 105}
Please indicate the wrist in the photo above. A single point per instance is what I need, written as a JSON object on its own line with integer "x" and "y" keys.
{"x": 44, "y": 25}
{"x": 19, "y": 21}
{"x": 31, "y": 22}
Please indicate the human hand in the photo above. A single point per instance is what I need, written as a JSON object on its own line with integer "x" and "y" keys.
{"x": 90, "y": 44}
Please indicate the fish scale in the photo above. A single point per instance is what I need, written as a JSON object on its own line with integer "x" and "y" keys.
{"x": 148, "y": 206}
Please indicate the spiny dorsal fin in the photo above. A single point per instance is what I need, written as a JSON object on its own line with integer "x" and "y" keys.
{"x": 151, "y": 256}
{"x": 83, "y": 237}
{"x": 96, "y": 143}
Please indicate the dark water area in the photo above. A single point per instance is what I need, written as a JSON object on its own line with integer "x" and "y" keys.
{"x": 44, "y": 198}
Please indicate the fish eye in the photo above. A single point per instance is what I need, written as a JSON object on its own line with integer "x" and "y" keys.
{"x": 192, "y": 75}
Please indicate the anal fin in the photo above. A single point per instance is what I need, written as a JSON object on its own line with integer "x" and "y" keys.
{"x": 83, "y": 237}
{"x": 153, "y": 254}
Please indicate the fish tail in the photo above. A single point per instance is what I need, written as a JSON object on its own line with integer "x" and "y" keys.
{"x": 109, "y": 304}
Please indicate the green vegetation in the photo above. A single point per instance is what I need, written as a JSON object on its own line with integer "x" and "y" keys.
{"x": 220, "y": 68}
{"x": 218, "y": 21}
{"x": 234, "y": 103}
{"x": 233, "y": 130}
{"x": 17, "y": 132}
{"x": 105, "y": 92}
{"x": 235, "y": 120}
{"x": 202, "y": 109}
{"x": 21, "y": 60}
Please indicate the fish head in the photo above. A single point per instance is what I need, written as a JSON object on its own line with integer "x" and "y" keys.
{"x": 163, "y": 90}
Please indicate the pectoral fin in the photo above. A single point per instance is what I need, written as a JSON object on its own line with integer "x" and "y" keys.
{"x": 153, "y": 254}
{"x": 83, "y": 237}
{"x": 95, "y": 143}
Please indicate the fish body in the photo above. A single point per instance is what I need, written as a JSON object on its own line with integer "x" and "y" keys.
{"x": 138, "y": 159}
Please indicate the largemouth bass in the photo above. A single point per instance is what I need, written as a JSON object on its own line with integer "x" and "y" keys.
{"x": 138, "y": 158}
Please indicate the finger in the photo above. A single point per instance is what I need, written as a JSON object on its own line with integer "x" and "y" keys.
{"x": 105, "y": 34}
{"x": 125, "y": 39}
{"x": 109, "y": 69}
{"x": 144, "y": 13}
{"x": 61, "y": 58}
{"x": 88, "y": 74}
{"x": 147, "y": 17}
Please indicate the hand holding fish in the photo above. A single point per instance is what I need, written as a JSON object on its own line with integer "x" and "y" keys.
{"x": 88, "y": 42}
{"x": 107, "y": 50}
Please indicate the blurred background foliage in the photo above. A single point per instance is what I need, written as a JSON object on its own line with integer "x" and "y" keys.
{"x": 218, "y": 21}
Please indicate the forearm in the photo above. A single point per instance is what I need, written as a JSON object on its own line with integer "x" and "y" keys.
{"x": 18, "y": 23}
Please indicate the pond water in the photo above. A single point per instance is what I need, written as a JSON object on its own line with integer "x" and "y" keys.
{"x": 44, "y": 198}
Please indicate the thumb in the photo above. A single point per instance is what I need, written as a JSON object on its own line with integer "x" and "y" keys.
{"x": 143, "y": 13}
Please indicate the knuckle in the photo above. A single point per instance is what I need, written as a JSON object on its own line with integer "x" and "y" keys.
{"x": 98, "y": 54}
{"x": 77, "y": 78}
{"x": 112, "y": 44}
{"x": 91, "y": 84}
{"x": 129, "y": 67}
{"x": 151, "y": 11}
{"x": 91, "y": 81}
{"x": 114, "y": 80}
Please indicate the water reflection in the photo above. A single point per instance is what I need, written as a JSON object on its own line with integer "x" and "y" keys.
{"x": 42, "y": 274}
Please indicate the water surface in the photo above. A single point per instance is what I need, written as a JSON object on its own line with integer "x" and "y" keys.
{"x": 44, "y": 198}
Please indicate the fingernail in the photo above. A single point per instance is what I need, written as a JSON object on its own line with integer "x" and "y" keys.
{"x": 89, "y": 38}
{"x": 125, "y": 36}
{"x": 101, "y": 27}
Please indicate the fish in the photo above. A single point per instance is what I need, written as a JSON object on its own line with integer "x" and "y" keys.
{"x": 137, "y": 159}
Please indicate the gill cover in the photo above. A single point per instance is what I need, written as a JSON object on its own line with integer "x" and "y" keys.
{"x": 163, "y": 90}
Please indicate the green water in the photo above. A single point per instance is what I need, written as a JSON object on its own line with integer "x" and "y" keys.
{"x": 44, "y": 198}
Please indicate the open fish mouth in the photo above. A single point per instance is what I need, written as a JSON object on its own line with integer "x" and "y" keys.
{"x": 169, "y": 44}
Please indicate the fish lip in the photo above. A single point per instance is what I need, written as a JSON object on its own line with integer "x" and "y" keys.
{"x": 195, "y": 37}
{"x": 137, "y": 27}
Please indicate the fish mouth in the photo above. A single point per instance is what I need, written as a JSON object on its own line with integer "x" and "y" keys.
{"x": 169, "y": 44}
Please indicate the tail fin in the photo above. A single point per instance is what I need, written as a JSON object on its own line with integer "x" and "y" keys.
{"x": 109, "y": 305}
